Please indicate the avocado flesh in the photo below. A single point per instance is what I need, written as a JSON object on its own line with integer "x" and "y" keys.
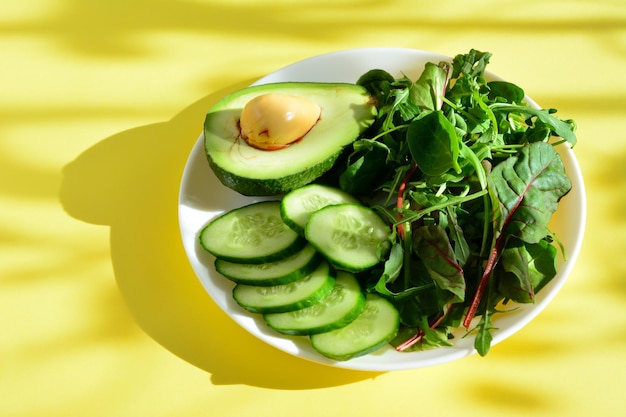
{"x": 347, "y": 110}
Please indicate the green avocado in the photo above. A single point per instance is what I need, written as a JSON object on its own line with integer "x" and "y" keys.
{"x": 346, "y": 111}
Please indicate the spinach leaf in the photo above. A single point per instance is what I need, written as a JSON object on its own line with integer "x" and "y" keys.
{"x": 428, "y": 91}
{"x": 378, "y": 82}
{"x": 434, "y": 144}
{"x": 392, "y": 269}
{"x": 503, "y": 91}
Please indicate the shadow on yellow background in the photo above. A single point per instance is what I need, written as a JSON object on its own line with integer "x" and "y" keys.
{"x": 130, "y": 181}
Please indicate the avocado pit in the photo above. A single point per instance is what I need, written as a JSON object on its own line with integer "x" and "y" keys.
{"x": 274, "y": 121}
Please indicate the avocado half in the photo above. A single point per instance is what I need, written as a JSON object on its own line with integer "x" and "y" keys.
{"x": 347, "y": 110}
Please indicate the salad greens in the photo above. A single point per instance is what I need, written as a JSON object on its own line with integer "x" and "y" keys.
{"x": 470, "y": 179}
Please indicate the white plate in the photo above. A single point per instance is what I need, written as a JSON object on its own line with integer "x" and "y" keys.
{"x": 203, "y": 197}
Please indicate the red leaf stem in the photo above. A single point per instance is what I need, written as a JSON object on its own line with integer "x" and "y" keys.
{"x": 420, "y": 334}
{"x": 482, "y": 285}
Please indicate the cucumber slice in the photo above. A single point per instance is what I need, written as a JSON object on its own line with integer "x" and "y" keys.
{"x": 284, "y": 271}
{"x": 345, "y": 302}
{"x": 288, "y": 297}
{"x": 351, "y": 236}
{"x": 251, "y": 234}
{"x": 298, "y": 205}
{"x": 373, "y": 329}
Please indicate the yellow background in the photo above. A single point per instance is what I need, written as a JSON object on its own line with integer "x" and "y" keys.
{"x": 100, "y": 104}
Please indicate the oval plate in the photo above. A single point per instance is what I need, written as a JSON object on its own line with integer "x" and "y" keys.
{"x": 202, "y": 197}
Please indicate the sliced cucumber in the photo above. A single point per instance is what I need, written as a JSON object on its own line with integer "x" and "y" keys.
{"x": 344, "y": 303}
{"x": 278, "y": 272}
{"x": 373, "y": 329}
{"x": 351, "y": 236}
{"x": 251, "y": 234}
{"x": 298, "y": 205}
{"x": 288, "y": 297}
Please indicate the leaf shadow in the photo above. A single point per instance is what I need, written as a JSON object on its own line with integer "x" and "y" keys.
{"x": 129, "y": 182}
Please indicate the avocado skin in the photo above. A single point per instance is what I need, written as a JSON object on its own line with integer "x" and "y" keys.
{"x": 251, "y": 187}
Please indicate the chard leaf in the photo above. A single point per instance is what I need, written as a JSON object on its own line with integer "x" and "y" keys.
{"x": 434, "y": 144}
{"x": 526, "y": 269}
{"x": 515, "y": 282}
{"x": 432, "y": 245}
{"x": 528, "y": 187}
{"x": 542, "y": 263}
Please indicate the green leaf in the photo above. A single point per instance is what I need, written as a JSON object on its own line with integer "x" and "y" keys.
{"x": 367, "y": 168}
{"x": 401, "y": 104}
{"x": 374, "y": 79}
{"x": 505, "y": 91}
{"x": 434, "y": 338}
{"x": 472, "y": 64}
{"x": 461, "y": 248}
{"x": 482, "y": 342}
{"x": 434, "y": 144}
{"x": 378, "y": 83}
{"x": 526, "y": 269}
{"x": 563, "y": 128}
{"x": 432, "y": 245}
{"x": 428, "y": 91}
{"x": 515, "y": 282}
{"x": 528, "y": 187}
{"x": 392, "y": 269}
{"x": 467, "y": 73}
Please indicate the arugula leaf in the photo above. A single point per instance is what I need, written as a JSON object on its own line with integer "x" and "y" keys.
{"x": 471, "y": 65}
{"x": 563, "y": 128}
{"x": 467, "y": 73}
{"x": 400, "y": 104}
{"x": 483, "y": 340}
